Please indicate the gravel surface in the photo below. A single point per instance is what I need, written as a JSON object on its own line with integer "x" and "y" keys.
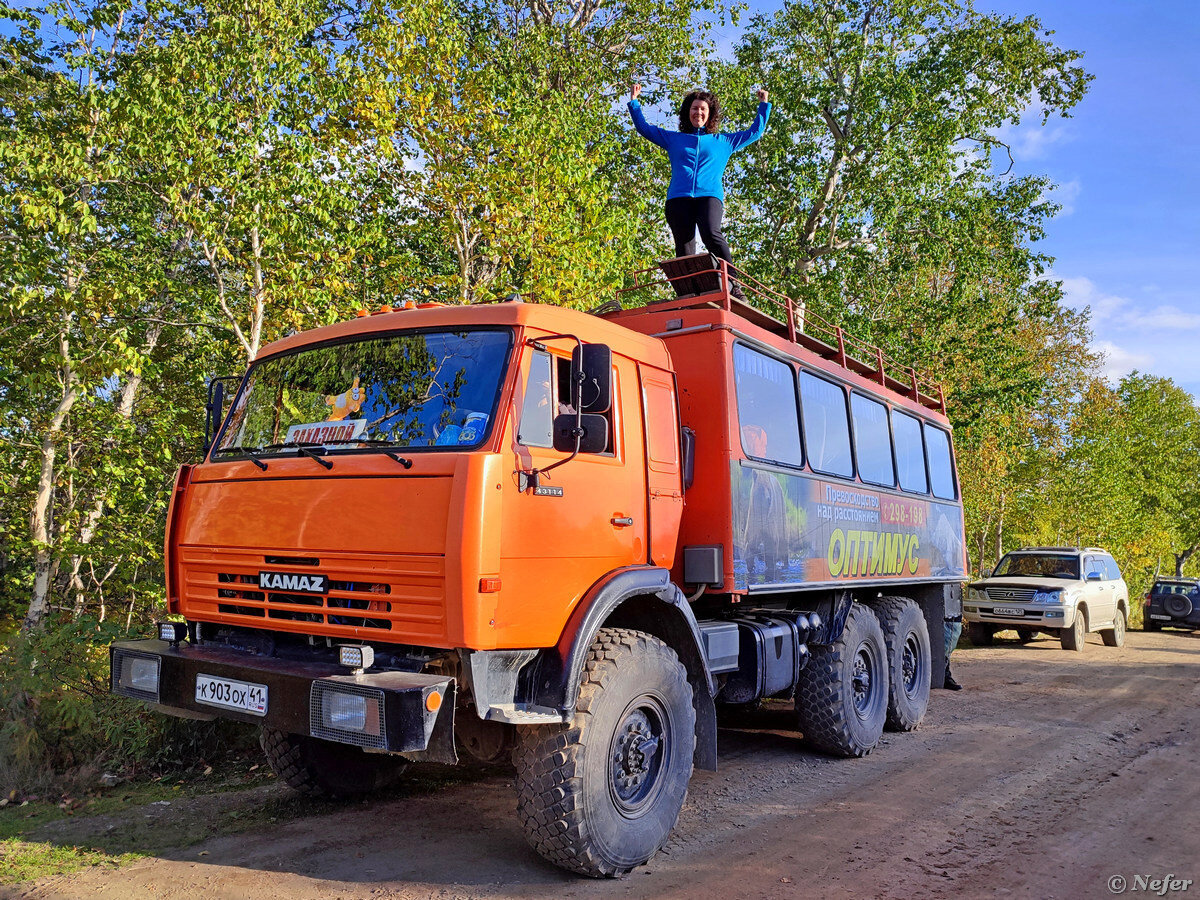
{"x": 1048, "y": 775}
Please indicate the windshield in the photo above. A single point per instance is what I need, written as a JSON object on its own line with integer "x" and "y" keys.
{"x": 412, "y": 390}
{"x": 1039, "y": 565}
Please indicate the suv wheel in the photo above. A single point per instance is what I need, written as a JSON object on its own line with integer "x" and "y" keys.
{"x": 1115, "y": 636}
{"x": 980, "y": 634}
{"x": 1075, "y": 637}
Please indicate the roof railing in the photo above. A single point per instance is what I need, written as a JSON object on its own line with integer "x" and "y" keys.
{"x": 702, "y": 280}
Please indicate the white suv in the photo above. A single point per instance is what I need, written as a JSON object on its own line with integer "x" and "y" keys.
{"x": 1067, "y": 591}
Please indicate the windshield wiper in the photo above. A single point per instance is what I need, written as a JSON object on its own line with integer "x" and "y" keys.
{"x": 377, "y": 442}
{"x": 250, "y": 453}
{"x": 304, "y": 448}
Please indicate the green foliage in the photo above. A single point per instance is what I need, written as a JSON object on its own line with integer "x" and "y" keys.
{"x": 59, "y": 717}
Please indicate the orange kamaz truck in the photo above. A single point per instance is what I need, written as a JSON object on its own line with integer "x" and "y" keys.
{"x": 571, "y": 538}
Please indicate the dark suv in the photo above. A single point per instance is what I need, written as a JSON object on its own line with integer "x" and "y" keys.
{"x": 1172, "y": 601}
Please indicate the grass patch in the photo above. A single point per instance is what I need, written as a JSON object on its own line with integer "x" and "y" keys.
{"x": 26, "y": 861}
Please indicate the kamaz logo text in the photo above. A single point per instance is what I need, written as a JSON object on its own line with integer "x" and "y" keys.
{"x": 284, "y": 581}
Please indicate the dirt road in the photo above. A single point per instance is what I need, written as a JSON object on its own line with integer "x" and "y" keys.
{"x": 1048, "y": 775}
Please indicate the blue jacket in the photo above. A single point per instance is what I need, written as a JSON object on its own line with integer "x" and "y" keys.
{"x": 698, "y": 160}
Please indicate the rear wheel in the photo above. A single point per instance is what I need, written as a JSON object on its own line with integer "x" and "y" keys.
{"x": 1115, "y": 636}
{"x": 1075, "y": 637}
{"x": 842, "y": 694}
{"x": 907, "y": 640}
{"x": 327, "y": 769}
{"x": 980, "y": 633}
{"x": 599, "y": 796}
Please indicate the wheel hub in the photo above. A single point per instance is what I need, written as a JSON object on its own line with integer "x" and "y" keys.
{"x": 638, "y": 750}
{"x": 910, "y": 665}
{"x": 861, "y": 681}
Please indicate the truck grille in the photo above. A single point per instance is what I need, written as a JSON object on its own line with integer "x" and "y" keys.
{"x": 382, "y": 592}
{"x": 1010, "y": 594}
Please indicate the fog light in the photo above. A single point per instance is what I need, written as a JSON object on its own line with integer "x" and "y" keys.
{"x": 140, "y": 674}
{"x": 350, "y": 712}
{"x": 1054, "y": 614}
{"x": 356, "y": 657}
{"x": 173, "y": 632}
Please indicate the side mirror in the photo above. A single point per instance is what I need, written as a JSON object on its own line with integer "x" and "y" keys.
{"x": 595, "y": 387}
{"x": 593, "y": 436}
{"x": 214, "y": 409}
{"x": 1094, "y": 576}
{"x": 687, "y": 441}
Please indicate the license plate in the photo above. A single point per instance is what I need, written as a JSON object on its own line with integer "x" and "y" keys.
{"x": 1157, "y": 616}
{"x": 1007, "y": 611}
{"x": 228, "y": 694}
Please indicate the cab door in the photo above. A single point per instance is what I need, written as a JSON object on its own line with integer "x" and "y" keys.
{"x": 584, "y": 518}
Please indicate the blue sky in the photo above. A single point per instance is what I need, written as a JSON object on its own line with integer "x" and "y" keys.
{"x": 1127, "y": 242}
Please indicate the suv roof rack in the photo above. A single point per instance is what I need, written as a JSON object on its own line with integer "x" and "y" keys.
{"x": 704, "y": 281}
{"x": 1061, "y": 550}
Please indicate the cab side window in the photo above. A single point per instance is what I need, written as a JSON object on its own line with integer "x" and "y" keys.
{"x": 1091, "y": 566}
{"x": 536, "y": 427}
{"x": 826, "y": 426}
{"x": 1111, "y": 571}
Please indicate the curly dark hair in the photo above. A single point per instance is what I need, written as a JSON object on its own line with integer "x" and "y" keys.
{"x": 714, "y": 112}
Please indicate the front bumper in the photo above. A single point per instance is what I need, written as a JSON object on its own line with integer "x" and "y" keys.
{"x": 391, "y": 712}
{"x": 1031, "y": 615}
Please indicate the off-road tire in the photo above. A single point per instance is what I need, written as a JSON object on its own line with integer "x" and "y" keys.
{"x": 325, "y": 769}
{"x": 1075, "y": 637}
{"x": 980, "y": 634}
{"x": 1026, "y": 634}
{"x": 909, "y": 663}
{"x": 580, "y": 809}
{"x": 1115, "y": 636}
{"x": 833, "y": 715}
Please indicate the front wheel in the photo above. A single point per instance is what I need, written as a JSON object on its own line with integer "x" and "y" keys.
{"x": 1075, "y": 637}
{"x": 842, "y": 694}
{"x": 980, "y": 634}
{"x": 908, "y": 658}
{"x": 326, "y": 769}
{"x": 599, "y": 796}
{"x": 1115, "y": 636}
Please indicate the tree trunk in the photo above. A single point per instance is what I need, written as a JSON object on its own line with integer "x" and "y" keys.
{"x": 1181, "y": 560}
{"x": 39, "y": 525}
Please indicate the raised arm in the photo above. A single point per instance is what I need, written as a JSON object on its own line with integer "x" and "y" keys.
{"x": 652, "y": 133}
{"x": 758, "y": 126}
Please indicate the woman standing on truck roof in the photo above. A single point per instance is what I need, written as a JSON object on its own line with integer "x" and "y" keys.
{"x": 699, "y": 154}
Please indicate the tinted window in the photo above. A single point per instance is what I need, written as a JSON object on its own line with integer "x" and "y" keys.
{"x": 872, "y": 441}
{"x": 910, "y": 452}
{"x": 826, "y": 427}
{"x": 941, "y": 470}
{"x": 537, "y": 410}
{"x": 1040, "y": 565}
{"x": 1111, "y": 572}
{"x": 766, "y": 401}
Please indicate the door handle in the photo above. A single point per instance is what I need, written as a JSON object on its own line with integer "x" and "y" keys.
{"x": 622, "y": 521}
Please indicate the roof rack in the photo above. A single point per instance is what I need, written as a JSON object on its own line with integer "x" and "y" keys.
{"x": 704, "y": 281}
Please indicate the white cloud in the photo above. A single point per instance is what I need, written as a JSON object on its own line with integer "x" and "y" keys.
{"x": 1119, "y": 362}
{"x": 1031, "y": 139}
{"x": 1065, "y": 196}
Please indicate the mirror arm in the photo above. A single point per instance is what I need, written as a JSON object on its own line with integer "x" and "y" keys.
{"x": 529, "y": 480}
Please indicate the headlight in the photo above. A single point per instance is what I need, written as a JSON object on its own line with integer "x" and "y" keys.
{"x": 976, "y": 595}
{"x": 1048, "y": 596}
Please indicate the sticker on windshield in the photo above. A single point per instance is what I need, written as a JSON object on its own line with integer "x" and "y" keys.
{"x": 325, "y": 432}
{"x": 343, "y": 404}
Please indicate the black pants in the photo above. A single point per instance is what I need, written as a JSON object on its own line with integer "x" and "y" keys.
{"x": 687, "y": 214}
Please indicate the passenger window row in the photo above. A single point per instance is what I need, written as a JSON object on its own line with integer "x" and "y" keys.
{"x": 891, "y": 448}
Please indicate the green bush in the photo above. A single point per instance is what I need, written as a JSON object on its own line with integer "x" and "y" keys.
{"x": 59, "y": 725}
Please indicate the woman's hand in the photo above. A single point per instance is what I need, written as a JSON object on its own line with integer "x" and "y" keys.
{"x": 762, "y": 95}
{"x": 635, "y": 91}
